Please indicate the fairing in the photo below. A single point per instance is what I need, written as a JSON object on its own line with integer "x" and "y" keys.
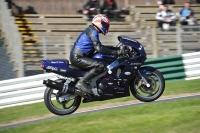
{"x": 126, "y": 40}
{"x": 107, "y": 58}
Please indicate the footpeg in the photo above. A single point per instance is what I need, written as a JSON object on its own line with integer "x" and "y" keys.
{"x": 80, "y": 93}
{"x": 81, "y": 88}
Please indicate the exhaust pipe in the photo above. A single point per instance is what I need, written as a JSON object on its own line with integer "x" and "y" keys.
{"x": 60, "y": 86}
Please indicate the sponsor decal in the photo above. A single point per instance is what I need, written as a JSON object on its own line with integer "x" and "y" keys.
{"x": 110, "y": 83}
{"x": 127, "y": 73}
{"x": 120, "y": 88}
{"x": 63, "y": 70}
{"x": 52, "y": 68}
{"x": 53, "y": 62}
{"x": 108, "y": 94}
{"x": 120, "y": 92}
{"x": 135, "y": 64}
{"x": 125, "y": 79}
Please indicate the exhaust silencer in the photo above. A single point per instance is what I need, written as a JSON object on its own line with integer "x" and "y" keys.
{"x": 60, "y": 86}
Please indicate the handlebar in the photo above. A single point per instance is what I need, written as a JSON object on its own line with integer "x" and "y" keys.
{"x": 128, "y": 51}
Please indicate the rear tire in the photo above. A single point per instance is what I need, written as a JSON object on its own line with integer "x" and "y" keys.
{"x": 151, "y": 97}
{"x": 52, "y": 103}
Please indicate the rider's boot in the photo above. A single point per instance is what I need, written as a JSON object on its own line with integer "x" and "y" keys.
{"x": 82, "y": 83}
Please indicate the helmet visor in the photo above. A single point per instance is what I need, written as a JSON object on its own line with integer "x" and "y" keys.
{"x": 106, "y": 25}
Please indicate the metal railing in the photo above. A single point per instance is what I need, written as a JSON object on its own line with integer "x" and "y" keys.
{"x": 177, "y": 40}
{"x": 12, "y": 38}
{"x": 20, "y": 91}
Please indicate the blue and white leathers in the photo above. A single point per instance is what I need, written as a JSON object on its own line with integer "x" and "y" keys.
{"x": 88, "y": 41}
{"x": 81, "y": 55}
{"x": 84, "y": 42}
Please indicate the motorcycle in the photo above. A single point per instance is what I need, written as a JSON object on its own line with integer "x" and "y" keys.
{"x": 124, "y": 73}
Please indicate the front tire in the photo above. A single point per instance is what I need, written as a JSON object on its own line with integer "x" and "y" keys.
{"x": 142, "y": 93}
{"x": 54, "y": 102}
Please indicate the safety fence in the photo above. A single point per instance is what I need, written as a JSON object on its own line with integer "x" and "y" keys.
{"x": 185, "y": 66}
{"x": 22, "y": 91}
{"x": 28, "y": 90}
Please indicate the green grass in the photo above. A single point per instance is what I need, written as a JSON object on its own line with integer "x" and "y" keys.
{"x": 180, "y": 116}
{"x": 11, "y": 114}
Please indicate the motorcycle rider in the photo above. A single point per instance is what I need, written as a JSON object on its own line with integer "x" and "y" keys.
{"x": 86, "y": 44}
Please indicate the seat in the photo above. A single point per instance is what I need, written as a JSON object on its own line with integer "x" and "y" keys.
{"x": 74, "y": 67}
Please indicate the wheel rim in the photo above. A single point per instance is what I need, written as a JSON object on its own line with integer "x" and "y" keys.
{"x": 65, "y": 105}
{"x": 154, "y": 89}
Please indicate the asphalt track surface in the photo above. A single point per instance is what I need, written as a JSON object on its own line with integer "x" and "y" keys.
{"x": 169, "y": 99}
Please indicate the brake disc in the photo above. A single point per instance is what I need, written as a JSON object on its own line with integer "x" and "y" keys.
{"x": 144, "y": 88}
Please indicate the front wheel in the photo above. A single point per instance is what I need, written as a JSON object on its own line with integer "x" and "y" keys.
{"x": 61, "y": 103}
{"x": 148, "y": 94}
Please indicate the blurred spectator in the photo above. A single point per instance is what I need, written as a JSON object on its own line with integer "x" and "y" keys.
{"x": 159, "y": 2}
{"x": 163, "y": 2}
{"x": 160, "y": 7}
{"x": 15, "y": 8}
{"x": 168, "y": 2}
{"x": 187, "y": 15}
{"x": 110, "y": 9}
{"x": 30, "y": 10}
{"x": 195, "y": 1}
{"x": 166, "y": 18}
{"x": 90, "y": 8}
{"x": 10, "y": 3}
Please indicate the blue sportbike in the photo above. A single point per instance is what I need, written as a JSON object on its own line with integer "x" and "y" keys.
{"x": 124, "y": 74}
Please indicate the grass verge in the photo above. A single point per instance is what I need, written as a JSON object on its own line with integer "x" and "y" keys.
{"x": 179, "y": 116}
{"x": 11, "y": 114}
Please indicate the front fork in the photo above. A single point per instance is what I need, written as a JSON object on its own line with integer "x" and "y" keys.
{"x": 142, "y": 73}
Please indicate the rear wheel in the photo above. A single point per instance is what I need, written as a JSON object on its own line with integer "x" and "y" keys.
{"x": 148, "y": 94}
{"x": 61, "y": 103}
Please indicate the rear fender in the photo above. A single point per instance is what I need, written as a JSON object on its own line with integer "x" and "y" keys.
{"x": 61, "y": 67}
{"x": 54, "y": 65}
